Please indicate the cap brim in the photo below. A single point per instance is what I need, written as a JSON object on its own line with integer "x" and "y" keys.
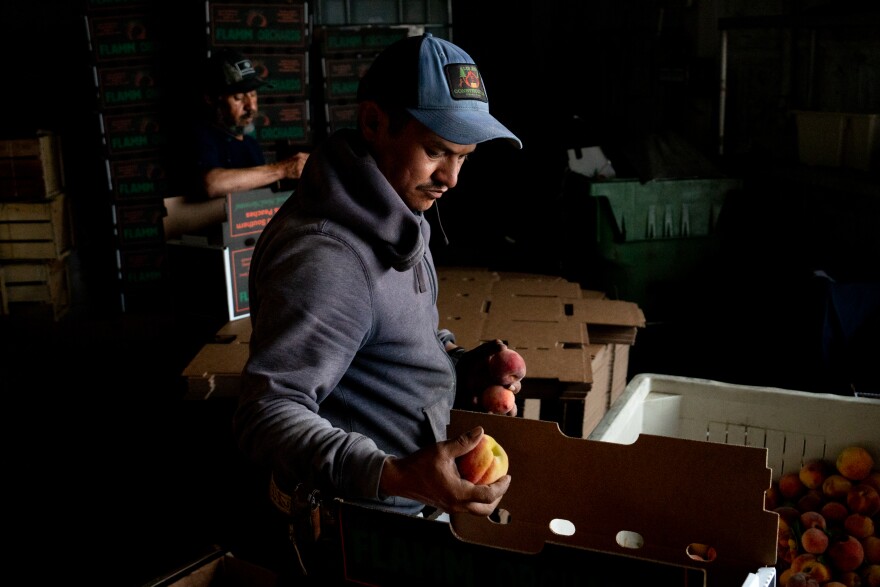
{"x": 246, "y": 86}
{"x": 465, "y": 127}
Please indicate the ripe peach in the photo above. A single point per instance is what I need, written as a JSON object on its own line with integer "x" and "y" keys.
{"x": 817, "y": 570}
{"x": 789, "y": 514}
{"x": 498, "y": 400}
{"x": 786, "y": 544}
{"x": 799, "y": 579}
{"x": 863, "y": 499}
{"x": 871, "y": 546}
{"x": 772, "y": 497}
{"x": 813, "y": 520}
{"x": 854, "y": 463}
{"x": 811, "y": 501}
{"x": 801, "y": 560}
{"x": 859, "y": 525}
{"x": 836, "y": 486}
{"x": 782, "y": 580}
{"x": 871, "y": 576}
{"x": 814, "y": 540}
{"x": 850, "y": 579}
{"x": 845, "y": 554}
{"x": 813, "y": 473}
{"x": 834, "y": 513}
{"x": 485, "y": 463}
{"x": 506, "y": 367}
{"x": 790, "y": 486}
{"x": 834, "y": 584}
{"x": 873, "y": 480}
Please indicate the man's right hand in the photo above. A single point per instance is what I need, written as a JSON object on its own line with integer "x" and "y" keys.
{"x": 430, "y": 476}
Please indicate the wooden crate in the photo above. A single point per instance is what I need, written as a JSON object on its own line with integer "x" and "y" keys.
{"x": 31, "y": 168}
{"x": 25, "y": 285}
{"x": 35, "y": 229}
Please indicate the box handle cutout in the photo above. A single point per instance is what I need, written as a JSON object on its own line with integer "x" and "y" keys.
{"x": 628, "y": 539}
{"x": 561, "y": 527}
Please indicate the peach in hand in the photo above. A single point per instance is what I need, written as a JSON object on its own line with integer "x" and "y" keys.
{"x": 497, "y": 399}
{"x": 485, "y": 463}
{"x": 506, "y": 367}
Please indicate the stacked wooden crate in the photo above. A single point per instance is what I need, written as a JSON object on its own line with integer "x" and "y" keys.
{"x": 36, "y": 234}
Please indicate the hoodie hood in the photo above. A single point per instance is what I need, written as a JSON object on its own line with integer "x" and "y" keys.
{"x": 346, "y": 187}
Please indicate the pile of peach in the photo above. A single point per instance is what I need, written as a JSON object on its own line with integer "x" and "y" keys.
{"x": 829, "y": 522}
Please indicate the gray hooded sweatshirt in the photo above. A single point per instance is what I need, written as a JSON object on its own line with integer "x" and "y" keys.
{"x": 347, "y": 364}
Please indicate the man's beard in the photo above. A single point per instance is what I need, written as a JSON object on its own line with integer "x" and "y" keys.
{"x": 241, "y": 130}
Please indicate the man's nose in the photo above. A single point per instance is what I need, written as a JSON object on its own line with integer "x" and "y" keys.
{"x": 447, "y": 173}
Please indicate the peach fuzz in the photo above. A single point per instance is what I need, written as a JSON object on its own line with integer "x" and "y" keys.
{"x": 814, "y": 540}
{"x": 854, "y": 463}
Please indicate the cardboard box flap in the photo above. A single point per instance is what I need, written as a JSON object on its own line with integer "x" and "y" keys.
{"x": 667, "y": 495}
{"x": 608, "y": 321}
{"x": 535, "y": 286}
{"x": 235, "y": 330}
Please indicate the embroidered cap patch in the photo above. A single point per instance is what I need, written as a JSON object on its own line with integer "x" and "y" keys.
{"x": 465, "y": 82}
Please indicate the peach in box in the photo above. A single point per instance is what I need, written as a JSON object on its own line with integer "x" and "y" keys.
{"x": 854, "y": 463}
{"x": 485, "y": 463}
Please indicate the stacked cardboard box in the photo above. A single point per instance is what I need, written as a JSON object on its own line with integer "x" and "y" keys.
{"x": 575, "y": 342}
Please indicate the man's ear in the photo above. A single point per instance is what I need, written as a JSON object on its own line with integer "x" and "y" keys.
{"x": 369, "y": 119}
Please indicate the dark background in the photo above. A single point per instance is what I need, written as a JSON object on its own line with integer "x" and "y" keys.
{"x": 125, "y": 479}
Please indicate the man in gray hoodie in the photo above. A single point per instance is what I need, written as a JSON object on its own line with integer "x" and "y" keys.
{"x": 350, "y": 381}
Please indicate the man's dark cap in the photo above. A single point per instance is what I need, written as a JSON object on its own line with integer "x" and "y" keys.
{"x": 230, "y": 72}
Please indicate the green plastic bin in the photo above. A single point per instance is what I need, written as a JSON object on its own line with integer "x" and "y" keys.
{"x": 654, "y": 239}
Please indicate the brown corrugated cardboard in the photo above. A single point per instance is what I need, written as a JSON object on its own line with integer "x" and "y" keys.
{"x": 582, "y": 512}
{"x": 672, "y": 494}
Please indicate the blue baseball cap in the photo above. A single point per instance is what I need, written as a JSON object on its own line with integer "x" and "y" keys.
{"x": 439, "y": 84}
